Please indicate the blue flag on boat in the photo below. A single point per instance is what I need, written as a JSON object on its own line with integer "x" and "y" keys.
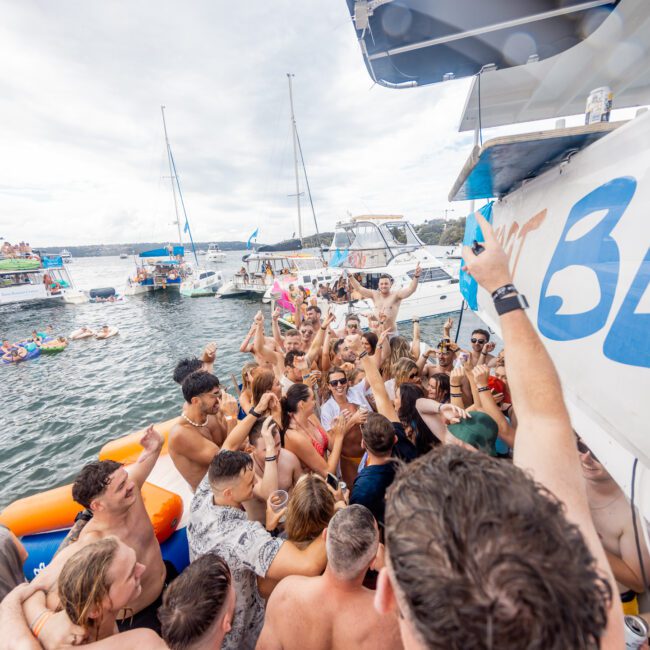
{"x": 468, "y": 286}
{"x": 187, "y": 226}
{"x": 253, "y": 236}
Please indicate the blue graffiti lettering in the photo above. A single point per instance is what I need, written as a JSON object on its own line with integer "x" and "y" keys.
{"x": 595, "y": 250}
{"x": 627, "y": 340}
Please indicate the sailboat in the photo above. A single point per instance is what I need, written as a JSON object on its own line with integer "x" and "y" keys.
{"x": 568, "y": 203}
{"x": 275, "y": 266}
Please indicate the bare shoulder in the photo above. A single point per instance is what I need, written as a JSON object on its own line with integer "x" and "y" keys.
{"x": 131, "y": 640}
{"x": 289, "y": 590}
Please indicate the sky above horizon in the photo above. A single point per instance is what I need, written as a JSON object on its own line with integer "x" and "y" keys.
{"x": 84, "y": 158}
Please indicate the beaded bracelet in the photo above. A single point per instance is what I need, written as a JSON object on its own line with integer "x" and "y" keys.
{"x": 483, "y": 389}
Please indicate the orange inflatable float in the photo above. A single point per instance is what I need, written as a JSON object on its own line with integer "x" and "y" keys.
{"x": 55, "y": 509}
{"x": 127, "y": 448}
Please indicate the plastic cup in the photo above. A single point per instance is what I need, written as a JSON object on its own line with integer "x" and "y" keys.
{"x": 279, "y": 500}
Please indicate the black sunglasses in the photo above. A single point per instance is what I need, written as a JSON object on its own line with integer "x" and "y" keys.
{"x": 483, "y": 341}
{"x": 336, "y": 382}
{"x": 583, "y": 449}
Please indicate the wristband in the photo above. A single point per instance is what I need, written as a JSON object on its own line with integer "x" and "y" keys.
{"x": 453, "y": 386}
{"x": 505, "y": 305}
{"x": 254, "y": 413}
{"x": 415, "y": 320}
{"x": 483, "y": 389}
{"x": 497, "y": 294}
{"x": 363, "y": 354}
{"x": 40, "y": 623}
{"x": 455, "y": 394}
{"x": 323, "y": 328}
{"x": 270, "y": 459}
{"x": 439, "y": 406}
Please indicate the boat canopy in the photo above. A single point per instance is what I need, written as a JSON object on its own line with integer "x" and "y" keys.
{"x": 415, "y": 42}
{"x": 164, "y": 252}
{"x": 367, "y": 244}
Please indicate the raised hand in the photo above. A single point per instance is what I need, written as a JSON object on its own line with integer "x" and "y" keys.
{"x": 456, "y": 376}
{"x": 277, "y": 312}
{"x": 209, "y": 352}
{"x": 259, "y": 317}
{"x": 490, "y": 268}
{"x": 453, "y": 414}
{"x": 418, "y": 271}
{"x": 481, "y": 374}
{"x": 151, "y": 442}
{"x": 267, "y": 402}
{"x": 488, "y": 347}
{"x": 268, "y": 433}
{"x": 449, "y": 323}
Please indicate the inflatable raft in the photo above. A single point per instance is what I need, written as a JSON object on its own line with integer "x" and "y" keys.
{"x": 43, "y": 520}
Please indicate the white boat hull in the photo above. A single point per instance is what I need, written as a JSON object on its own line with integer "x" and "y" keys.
{"x": 216, "y": 257}
{"x": 578, "y": 238}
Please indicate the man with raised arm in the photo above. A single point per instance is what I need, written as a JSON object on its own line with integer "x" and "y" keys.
{"x": 112, "y": 493}
{"x": 333, "y": 611}
{"x": 387, "y": 302}
{"x": 512, "y": 546}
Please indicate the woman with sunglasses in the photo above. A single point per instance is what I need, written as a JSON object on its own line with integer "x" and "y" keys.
{"x": 350, "y": 401}
{"x": 405, "y": 370}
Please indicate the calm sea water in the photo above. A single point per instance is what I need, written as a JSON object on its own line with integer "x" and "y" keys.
{"x": 59, "y": 410}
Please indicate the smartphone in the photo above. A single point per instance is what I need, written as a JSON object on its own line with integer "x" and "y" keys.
{"x": 332, "y": 481}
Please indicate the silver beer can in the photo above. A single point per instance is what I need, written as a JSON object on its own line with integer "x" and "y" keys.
{"x": 599, "y": 105}
{"x": 636, "y": 632}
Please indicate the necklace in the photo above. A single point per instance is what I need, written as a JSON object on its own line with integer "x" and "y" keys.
{"x": 195, "y": 424}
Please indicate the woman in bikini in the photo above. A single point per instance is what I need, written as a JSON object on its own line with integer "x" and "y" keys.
{"x": 304, "y": 434}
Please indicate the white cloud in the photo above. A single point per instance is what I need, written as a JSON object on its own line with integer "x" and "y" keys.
{"x": 83, "y": 154}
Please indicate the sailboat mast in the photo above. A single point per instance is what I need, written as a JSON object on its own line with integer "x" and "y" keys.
{"x": 171, "y": 175}
{"x": 295, "y": 155}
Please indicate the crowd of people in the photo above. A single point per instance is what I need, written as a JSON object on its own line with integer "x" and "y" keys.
{"x": 362, "y": 490}
{"x": 22, "y": 249}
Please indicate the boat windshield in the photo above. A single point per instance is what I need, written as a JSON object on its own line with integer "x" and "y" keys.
{"x": 369, "y": 245}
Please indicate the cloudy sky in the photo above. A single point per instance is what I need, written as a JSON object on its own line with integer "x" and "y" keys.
{"x": 83, "y": 156}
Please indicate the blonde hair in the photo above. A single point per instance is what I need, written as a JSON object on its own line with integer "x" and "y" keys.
{"x": 246, "y": 370}
{"x": 399, "y": 349}
{"x": 401, "y": 371}
{"x": 83, "y": 582}
{"x": 310, "y": 508}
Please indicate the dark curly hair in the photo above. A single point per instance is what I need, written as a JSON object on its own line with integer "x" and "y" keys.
{"x": 484, "y": 557}
{"x": 92, "y": 481}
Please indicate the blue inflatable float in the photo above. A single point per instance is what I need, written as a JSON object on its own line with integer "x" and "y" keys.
{"x": 42, "y": 547}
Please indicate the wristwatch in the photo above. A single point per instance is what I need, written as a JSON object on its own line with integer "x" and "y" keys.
{"x": 505, "y": 305}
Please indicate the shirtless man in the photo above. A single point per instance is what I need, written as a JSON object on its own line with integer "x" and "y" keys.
{"x": 191, "y": 364}
{"x": 292, "y": 339}
{"x": 612, "y": 517}
{"x": 112, "y": 493}
{"x": 193, "y": 447}
{"x": 386, "y": 301}
{"x": 333, "y": 611}
{"x": 195, "y": 440}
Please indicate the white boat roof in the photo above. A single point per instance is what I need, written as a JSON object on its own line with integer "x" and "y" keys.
{"x": 615, "y": 55}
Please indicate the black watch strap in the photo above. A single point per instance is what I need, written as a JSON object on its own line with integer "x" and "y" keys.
{"x": 505, "y": 305}
{"x": 254, "y": 413}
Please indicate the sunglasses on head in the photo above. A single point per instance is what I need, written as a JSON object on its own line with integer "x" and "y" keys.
{"x": 482, "y": 341}
{"x": 583, "y": 449}
{"x": 336, "y": 382}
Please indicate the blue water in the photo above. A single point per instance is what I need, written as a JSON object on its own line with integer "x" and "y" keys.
{"x": 59, "y": 410}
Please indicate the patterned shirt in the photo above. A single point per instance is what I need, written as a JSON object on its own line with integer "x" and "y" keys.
{"x": 249, "y": 551}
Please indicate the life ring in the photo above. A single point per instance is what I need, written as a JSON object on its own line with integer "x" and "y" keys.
{"x": 33, "y": 351}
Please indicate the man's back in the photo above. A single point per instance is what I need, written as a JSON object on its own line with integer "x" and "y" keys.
{"x": 315, "y": 614}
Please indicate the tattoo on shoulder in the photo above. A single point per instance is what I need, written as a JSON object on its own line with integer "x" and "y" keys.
{"x": 72, "y": 536}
